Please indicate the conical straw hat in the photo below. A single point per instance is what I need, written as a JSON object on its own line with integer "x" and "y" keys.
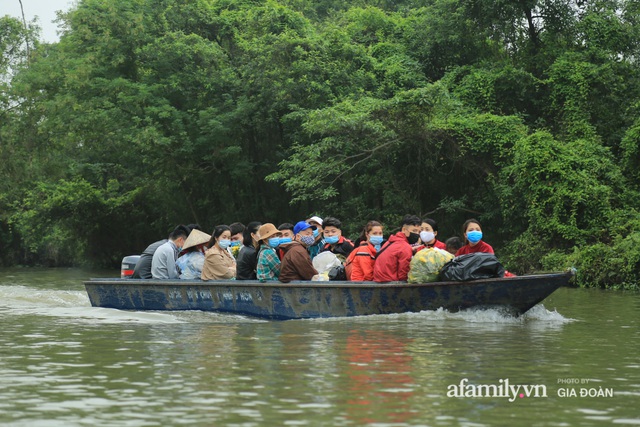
{"x": 196, "y": 237}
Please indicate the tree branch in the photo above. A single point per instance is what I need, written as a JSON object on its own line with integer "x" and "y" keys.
{"x": 26, "y": 33}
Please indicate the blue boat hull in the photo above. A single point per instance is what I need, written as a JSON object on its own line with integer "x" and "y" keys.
{"x": 298, "y": 300}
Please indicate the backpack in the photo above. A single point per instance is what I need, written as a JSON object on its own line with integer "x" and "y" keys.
{"x": 348, "y": 266}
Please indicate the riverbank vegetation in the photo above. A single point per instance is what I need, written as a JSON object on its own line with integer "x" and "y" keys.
{"x": 149, "y": 113}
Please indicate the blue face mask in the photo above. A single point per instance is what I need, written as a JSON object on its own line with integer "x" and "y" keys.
{"x": 474, "y": 236}
{"x": 235, "y": 243}
{"x": 375, "y": 240}
{"x": 307, "y": 240}
{"x": 225, "y": 243}
{"x": 316, "y": 233}
{"x": 331, "y": 240}
{"x": 274, "y": 242}
{"x": 285, "y": 240}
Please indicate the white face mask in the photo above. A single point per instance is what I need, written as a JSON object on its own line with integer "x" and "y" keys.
{"x": 427, "y": 236}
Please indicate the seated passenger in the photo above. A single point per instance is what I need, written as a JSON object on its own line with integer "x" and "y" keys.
{"x": 316, "y": 225}
{"x": 286, "y": 229}
{"x": 362, "y": 259}
{"x": 191, "y": 262}
{"x": 296, "y": 262}
{"x": 218, "y": 262}
{"x": 472, "y": 231}
{"x": 429, "y": 233}
{"x": 247, "y": 259}
{"x": 163, "y": 262}
{"x": 453, "y": 244}
{"x": 334, "y": 241}
{"x": 142, "y": 269}
{"x": 268, "y": 261}
{"x": 394, "y": 258}
{"x": 237, "y": 236}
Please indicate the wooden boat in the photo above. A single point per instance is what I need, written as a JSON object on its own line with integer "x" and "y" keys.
{"x": 299, "y": 300}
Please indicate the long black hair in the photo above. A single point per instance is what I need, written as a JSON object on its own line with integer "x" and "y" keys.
{"x": 217, "y": 232}
{"x": 252, "y": 227}
{"x": 367, "y": 229}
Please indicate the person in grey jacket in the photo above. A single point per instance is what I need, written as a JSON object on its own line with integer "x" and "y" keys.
{"x": 163, "y": 263}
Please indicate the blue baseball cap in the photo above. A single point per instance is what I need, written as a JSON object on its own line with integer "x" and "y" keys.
{"x": 300, "y": 226}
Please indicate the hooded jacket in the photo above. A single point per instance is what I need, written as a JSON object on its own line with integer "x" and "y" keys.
{"x": 393, "y": 260}
{"x": 362, "y": 261}
{"x": 296, "y": 263}
{"x": 343, "y": 247}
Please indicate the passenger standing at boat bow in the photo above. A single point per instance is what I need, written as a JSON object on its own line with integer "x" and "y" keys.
{"x": 191, "y": 262}
{"x": 268, "y": 261}
{"x": 296, "y": 262}
{"x": 472, "y": 231}
{"x": 394, "y": 258}
{"x": 362, "y": 259}
{"x": 218, "y": 262}
{"x": 163, "y": 263}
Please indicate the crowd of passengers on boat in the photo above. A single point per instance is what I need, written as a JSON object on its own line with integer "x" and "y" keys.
{"x": 286, "y": 253}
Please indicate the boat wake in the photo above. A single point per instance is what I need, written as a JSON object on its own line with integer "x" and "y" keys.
{"x": 17, "y": 300}
{"x": 538, "y": 315}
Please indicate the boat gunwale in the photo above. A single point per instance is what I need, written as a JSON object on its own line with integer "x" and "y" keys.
{"x": 317, "y": 284}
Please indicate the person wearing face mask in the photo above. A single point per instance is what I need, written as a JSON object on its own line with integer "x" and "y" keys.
{"x": 192, "y": 259}
{"x": 296, "y": 261}
{"x": 247, "y": 259}
{"x": 218, "y": 262}
{"x": 286, "y": 228}
{"x": 334, "y": 241}
{"x": 394, "y": 258}
{"x": 237, "y": 237}
{"x": 428, "y": 233}
{"x": 472, "y": 231}
{"x": 268, "y": 268}
{"x": 163, "y": 262}
{"x": 317, "y": 225}
{"x": 360, "y": 263}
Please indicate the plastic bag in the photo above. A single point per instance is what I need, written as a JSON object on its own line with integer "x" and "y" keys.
{"x": 472, "y": 267}
{"x": 325, "y": 261}
{"x": 426, "y": 264}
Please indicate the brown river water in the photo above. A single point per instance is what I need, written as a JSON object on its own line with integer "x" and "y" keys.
{"x": 573, "y": 360}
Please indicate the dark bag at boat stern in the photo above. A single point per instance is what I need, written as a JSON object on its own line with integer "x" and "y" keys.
{"x": 472, "y": 267}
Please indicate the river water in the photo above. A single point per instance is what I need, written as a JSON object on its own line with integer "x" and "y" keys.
{"x": 572, "y": 361}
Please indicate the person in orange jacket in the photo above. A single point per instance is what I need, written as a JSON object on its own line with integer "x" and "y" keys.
{"x": 360, "y": 262}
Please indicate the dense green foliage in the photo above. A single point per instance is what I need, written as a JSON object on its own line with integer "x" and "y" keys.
{"x": 149, "y": 113}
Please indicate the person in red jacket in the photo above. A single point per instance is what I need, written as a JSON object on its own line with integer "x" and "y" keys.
{"x": 393, "y": 259}
{"x": 361, "y": 260}
{"x": 472, "y": 231}
{"x": 429, "y": 236}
